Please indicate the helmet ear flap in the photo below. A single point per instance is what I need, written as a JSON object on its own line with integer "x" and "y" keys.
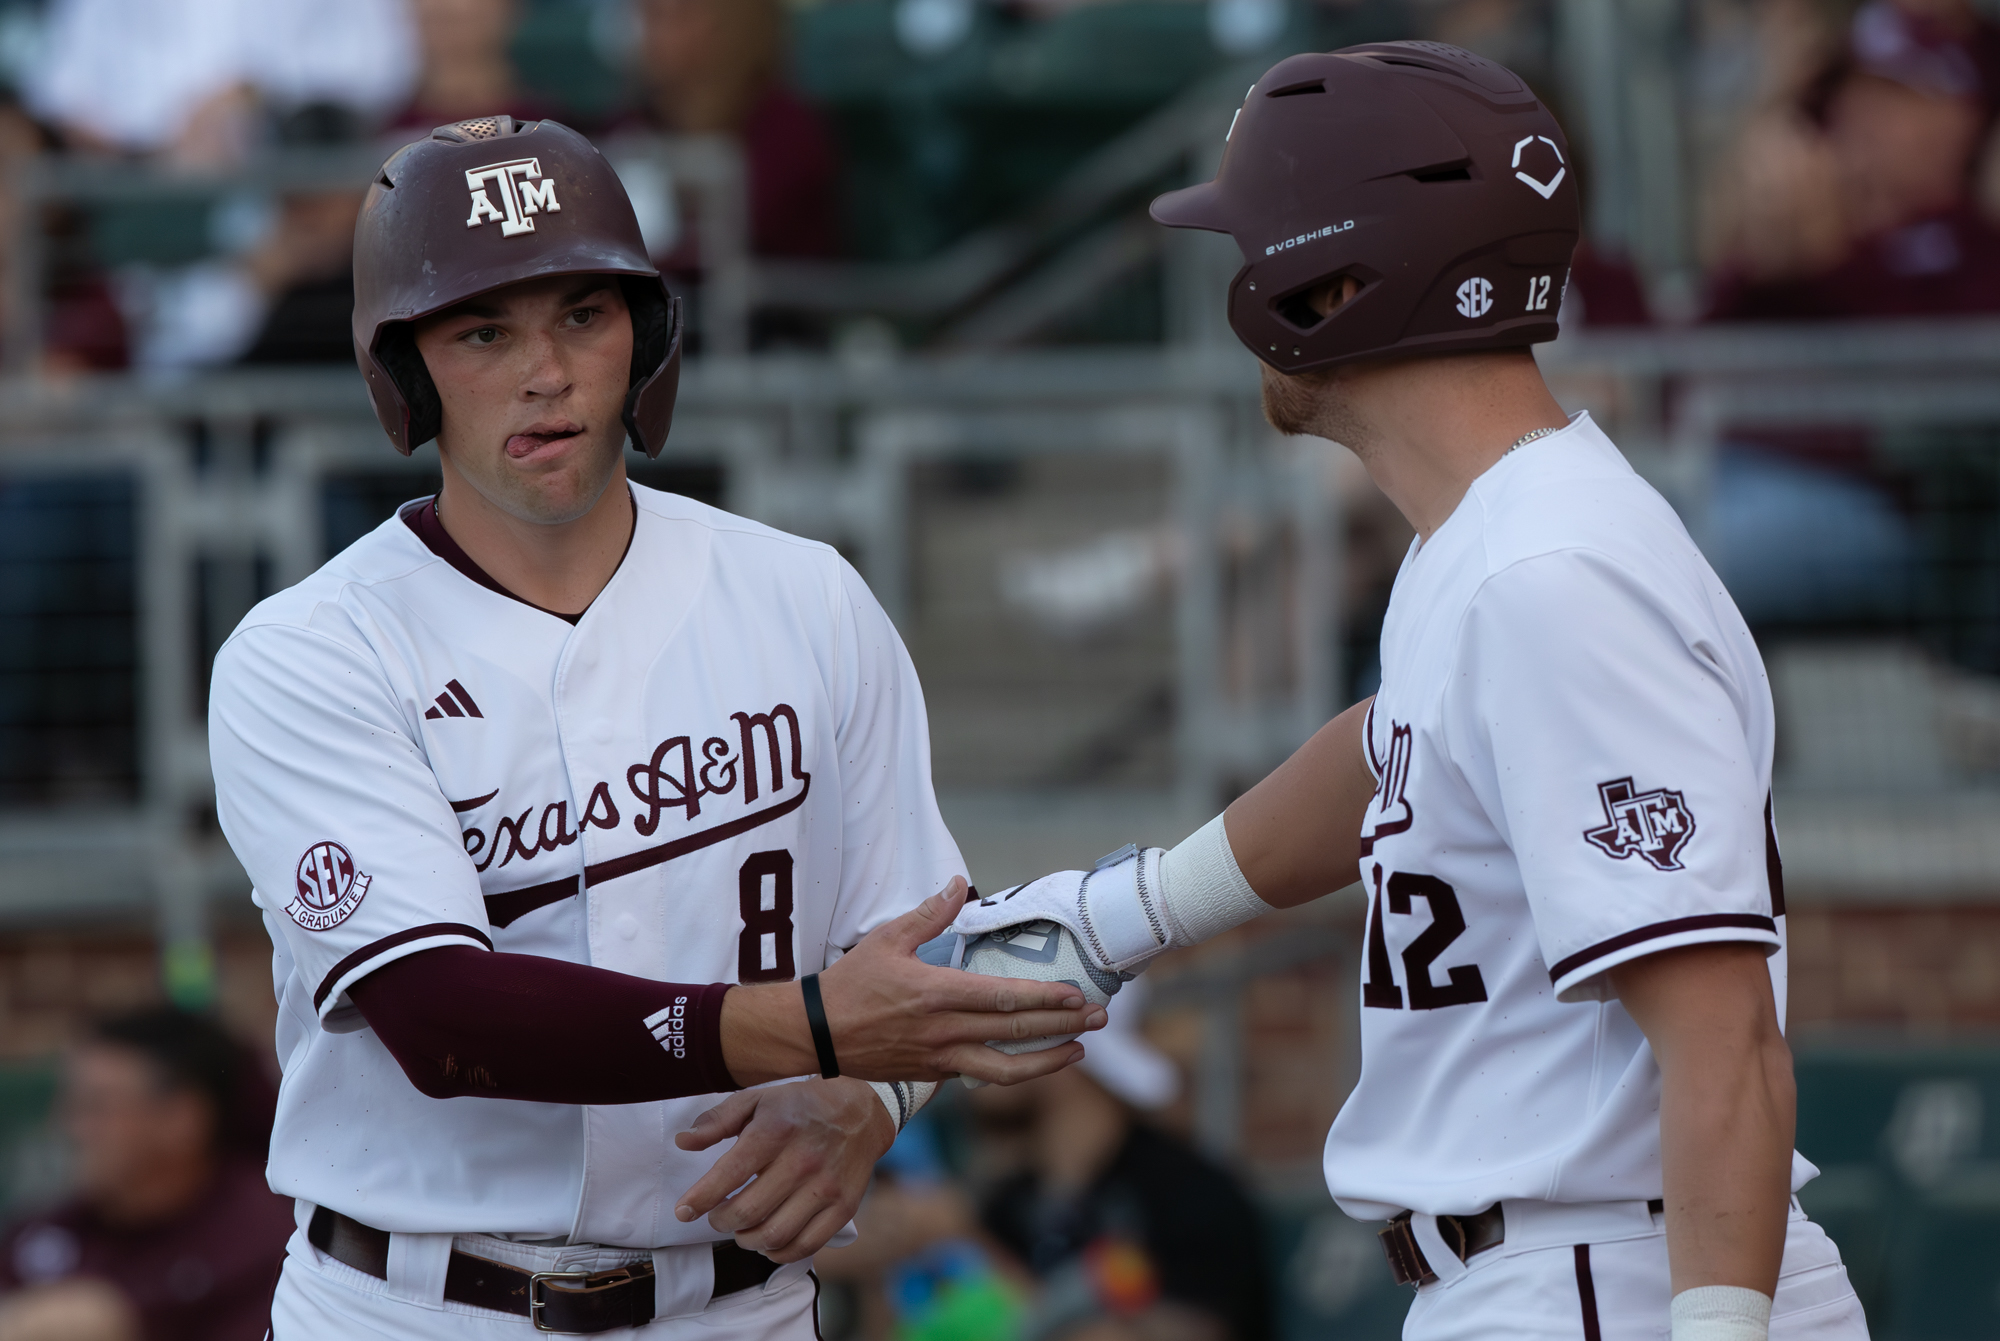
{"x": 397, "y": 352}
{"x": 656, "y": 363}
{"x": 650, "y": 325}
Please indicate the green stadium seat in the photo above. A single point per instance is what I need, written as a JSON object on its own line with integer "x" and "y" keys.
{"x": 1331, "y": 1277}
{"x": 557, "y": 54}
{"x": 937, "y": 148}
{"x": 1910, "y": 1182}
{"x": 1943, "y": 1286}
{"x": 27, "y": 1096}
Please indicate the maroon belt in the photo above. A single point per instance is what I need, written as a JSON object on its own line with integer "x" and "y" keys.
{"x": 577, "y": 1302}
{"x": 1473, "y": 1234}
{"x": 1466, "y": 1236}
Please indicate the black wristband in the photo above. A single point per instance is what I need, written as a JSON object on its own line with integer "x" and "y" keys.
{"x": 829, "y": 1065}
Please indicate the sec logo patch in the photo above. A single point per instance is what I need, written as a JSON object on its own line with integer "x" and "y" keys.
{"x": 330, "y": 889}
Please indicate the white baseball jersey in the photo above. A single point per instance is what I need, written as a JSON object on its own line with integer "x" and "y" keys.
{"x": 1572, "y": 746}
{"x": 717, "y": 773}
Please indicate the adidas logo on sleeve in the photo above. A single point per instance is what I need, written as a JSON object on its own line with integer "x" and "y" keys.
{"x": 453, "y": 702}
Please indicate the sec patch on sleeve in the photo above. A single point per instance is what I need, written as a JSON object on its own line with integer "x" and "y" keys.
{"x": 1655, "y": 824}
{"x": 330, "y": 889}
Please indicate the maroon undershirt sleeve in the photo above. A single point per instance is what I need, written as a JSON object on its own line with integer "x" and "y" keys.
{"x": 463, "y": 1021}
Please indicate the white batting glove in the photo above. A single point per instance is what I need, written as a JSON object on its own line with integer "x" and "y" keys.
{"x": 1114, "y": 910}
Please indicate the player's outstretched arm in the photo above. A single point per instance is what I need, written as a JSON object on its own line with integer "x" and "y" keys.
{"x": 1727, "y": 1111}
{"x": 1288, "y": 840}
{"x": 1296, "y": 834}
{"x": 893, "y": 1017}
{"x": 466, "y": 1021}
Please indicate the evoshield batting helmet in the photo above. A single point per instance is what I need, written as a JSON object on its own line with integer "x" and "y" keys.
{"x": 486, "y": 203}
{"x": 1432, "y": 176}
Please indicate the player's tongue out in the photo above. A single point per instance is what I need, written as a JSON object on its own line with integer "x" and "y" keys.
{"x": 525, "y": 444}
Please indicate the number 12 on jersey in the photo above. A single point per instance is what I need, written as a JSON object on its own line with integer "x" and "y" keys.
{"x": 1463, "y": 985}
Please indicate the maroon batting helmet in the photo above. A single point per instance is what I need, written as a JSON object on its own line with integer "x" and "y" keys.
{"x": 486, "y": 203}
{"x": 1432, "y": 176}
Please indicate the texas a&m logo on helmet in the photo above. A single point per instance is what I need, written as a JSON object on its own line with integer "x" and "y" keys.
{"x": 523, "y": 193}
{"x": 1655, "y": 824}
{"x": 329, "y": 888}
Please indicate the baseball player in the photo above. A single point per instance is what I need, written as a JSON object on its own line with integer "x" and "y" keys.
{"x": 558, "y": 793}
{"x": 1575, "y": 1108}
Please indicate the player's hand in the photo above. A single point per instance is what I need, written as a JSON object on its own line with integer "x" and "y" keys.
{"x": 1051, "y": 898}
{"x": 894, "y": 1017}
{"x": 810, "y": 1146}
{"x": 1112, "y": 910}
{"x": 888, "y": 1011}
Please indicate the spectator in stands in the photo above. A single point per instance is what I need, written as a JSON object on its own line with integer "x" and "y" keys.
{"x": 716, "y": 67}
{"x": 918, "y": 1271}
{"x": 191, "y": 79}
{"x": 170, "y": 1120}
{"x": 1121, "y": 1231}
{"x": 288, "y": 296}
{"x": 74, "y": 1310}
{"x": 82, "y": 328}
{"x": 468, "y": 66}
{"x": 304, "y": 273}
{"x": 1854, "y": 198}
{"x": 285, "y": 297}
{"x": 1129, "y": 1231}
{"x": 1858, "y": 199}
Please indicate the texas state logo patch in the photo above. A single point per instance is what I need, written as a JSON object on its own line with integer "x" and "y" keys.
{"x": 1655, "y": 824}
{"x": 329, "y": 888}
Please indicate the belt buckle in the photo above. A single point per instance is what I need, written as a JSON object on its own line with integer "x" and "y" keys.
{"x": 536, "y": 1303}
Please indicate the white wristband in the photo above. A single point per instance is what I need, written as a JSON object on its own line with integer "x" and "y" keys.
{"x": 1720, "y": 1313}
{"x": 903, "y": 1098}
{"x": 1202, "y": 890}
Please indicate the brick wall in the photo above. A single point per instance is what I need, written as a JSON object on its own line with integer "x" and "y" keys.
{"x": 52, "y": 982}
{"x": 1925, "y": 969}
{"x": 1294, "y": 1031}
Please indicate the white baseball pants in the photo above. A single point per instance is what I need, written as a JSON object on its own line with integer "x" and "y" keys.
{"x": 1611, "y": 1284}
{"x": 319, "y": 1298}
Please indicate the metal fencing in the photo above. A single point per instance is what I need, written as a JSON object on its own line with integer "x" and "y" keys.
{"x": 142, "y": 523}
{"x": 1843, "y": 478}
{"x": 1116, "y": 581}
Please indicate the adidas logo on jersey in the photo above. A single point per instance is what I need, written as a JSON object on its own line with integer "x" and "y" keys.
{"x": 1655, "y": 824}
{"x": 453, "y": 702}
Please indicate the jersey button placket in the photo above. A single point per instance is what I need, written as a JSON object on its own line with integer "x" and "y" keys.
{"x": 582, "y": 721}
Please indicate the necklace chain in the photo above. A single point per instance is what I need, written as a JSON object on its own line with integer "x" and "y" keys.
{"x": 1527, "y": 438}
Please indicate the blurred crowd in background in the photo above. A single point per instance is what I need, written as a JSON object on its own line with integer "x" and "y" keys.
{"x": 210, "y": 85}
{"x": 1841, "y": 163}
{"x": 169, "y": 1229}
{"x": 1057, "y": 1208}
{"x": 1843, "y": 158}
